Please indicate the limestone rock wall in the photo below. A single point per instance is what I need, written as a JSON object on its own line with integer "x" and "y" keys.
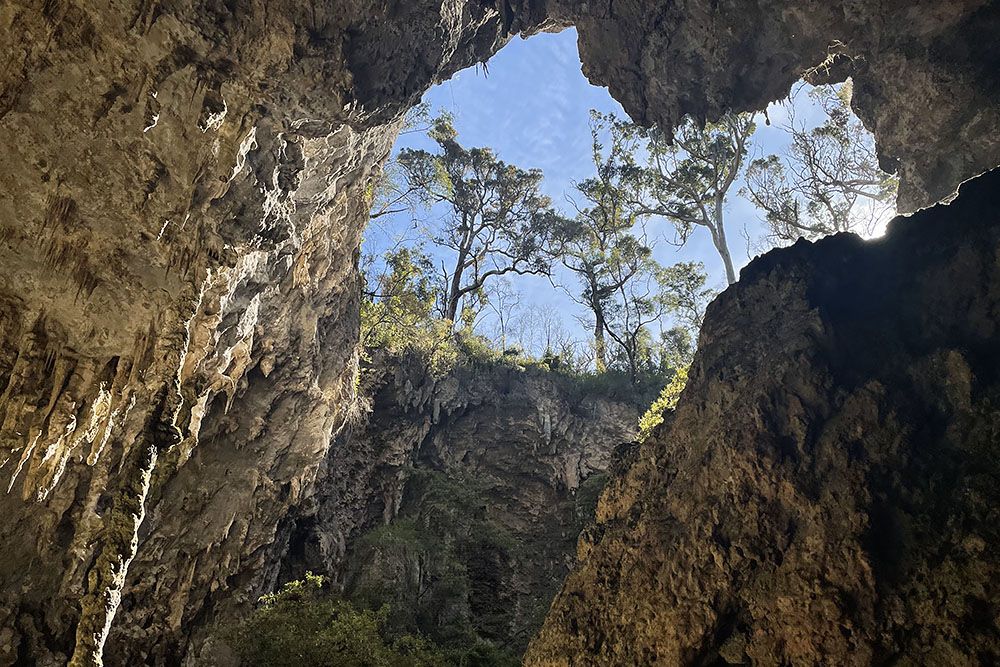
{"x": 826, "y": 490}
{"x": 183, "y": 184}
{"x": 182, "y": 192}
{"x": 513, "y": 453}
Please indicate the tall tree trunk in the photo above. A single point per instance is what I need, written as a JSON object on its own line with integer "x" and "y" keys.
{"x": 632, "y": 352}
{"x": 452, "y": 309}
{"x": 455, "y": 288}
{"x": 719, "y": 238}
{"x": 600, "y": 347}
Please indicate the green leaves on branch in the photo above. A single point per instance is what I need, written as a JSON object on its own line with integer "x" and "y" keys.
{"x": 397, "y": 311}
{"x": 497, "y": 223}
{"x": 302, "y": 626}
{"x": 667, "y": 401}
{"x": 684, "y": 179}
{"x": 605, "y": 247}
{"x": 829, "y": 181}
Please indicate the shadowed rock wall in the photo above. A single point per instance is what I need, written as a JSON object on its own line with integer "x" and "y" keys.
{"x": 826, "y": 491}
{"x": 489, "y": 467}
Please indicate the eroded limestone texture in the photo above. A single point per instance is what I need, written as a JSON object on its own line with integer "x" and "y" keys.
{"x": 182, "y": 192}
{"x": 826, "y": 491}
{"x": 514, "y": 456}
{"x": 183, "y": 184}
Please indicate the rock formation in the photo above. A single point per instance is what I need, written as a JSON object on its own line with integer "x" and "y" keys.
{"x": 182, "y": 192}
{"x": 491, "y": 461}
{"x": 826, "y": 491}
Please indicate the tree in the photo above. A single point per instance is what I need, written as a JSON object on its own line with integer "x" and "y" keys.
{"x": 687, "y": 297}
{"x": 398, "y": 298}
{"x": 676, "y": 349}
{"x": 540, "y": 332}
{"x": 688, "y": 177}
{"x": 829, "y": 179}
{"x": 497, "y": 221}
{"x": 604, "y": 246}
{"x": 685, "y": 292}
{"x": 647, "y": 300}
{"x": 502, "y": 300}
{"x": 390, "y": 193}
{"x": 598, "y": 245}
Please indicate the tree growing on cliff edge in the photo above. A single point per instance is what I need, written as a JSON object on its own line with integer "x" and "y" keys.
{"x": 397, "y": 309}
{"x": 598, "y": 246}
{"x": 687, "y": 178}
{"x": 398, "y": 298}
{"x": 828, "y": 181}
{"x": 497, "y": 221}
{"x": 604, "y": 246}
{"x": 642, "y": 305}
{"x": 390, "y": 193}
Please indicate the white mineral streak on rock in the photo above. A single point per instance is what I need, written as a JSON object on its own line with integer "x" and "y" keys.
{"x": 25, "y": 455}
{"x": 248, "y": 144}
{"x": 214, "y": 120}
{"x": 113, "y": 594}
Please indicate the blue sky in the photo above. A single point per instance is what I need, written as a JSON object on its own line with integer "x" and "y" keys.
{"x": 532, "y": 107}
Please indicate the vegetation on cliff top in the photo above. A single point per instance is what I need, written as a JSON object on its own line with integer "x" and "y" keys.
{"x": 477, "y": 226}
{"x": 493, "y": 224}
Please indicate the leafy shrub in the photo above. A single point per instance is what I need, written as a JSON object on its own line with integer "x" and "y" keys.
{"x": 301, "y": 627}
{"x": 666, "y": 401}
{"x": 397, "y": 313}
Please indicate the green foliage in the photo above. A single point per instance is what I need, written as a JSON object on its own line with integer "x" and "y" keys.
{"x": 676, "y": 348}
{"x": 300, "y": 626}
{"x": 686, "y": 177}
{"x": 828, "y": 181}
{"x": 397, "y": 313}
{"x": 683, "y": 291}
{"x": 498, "y": 222}
{"x": 666, "y": 401}
{"x": 400, "y": 298}
{"x": 439, "y": 567}
{"x": 625, "y": 290}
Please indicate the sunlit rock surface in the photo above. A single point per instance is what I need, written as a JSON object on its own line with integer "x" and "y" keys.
{"x": 182, "y": 192}
{"x": 826, "y": 491}
{"x": 492, "y": 469}
{"x": 183, "y": 186}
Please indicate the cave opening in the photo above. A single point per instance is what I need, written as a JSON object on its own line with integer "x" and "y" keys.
{"x": 480, "y": 355}
{"x": 185, "y": 188}
{"x": 805, "y": 167}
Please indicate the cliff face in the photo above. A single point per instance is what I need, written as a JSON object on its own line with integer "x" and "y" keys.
{"x": 182, "y": 192}
{"x": 459, "y": 500}
{"x": 826, "y": 490}
{"x": 184, "y": 186}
